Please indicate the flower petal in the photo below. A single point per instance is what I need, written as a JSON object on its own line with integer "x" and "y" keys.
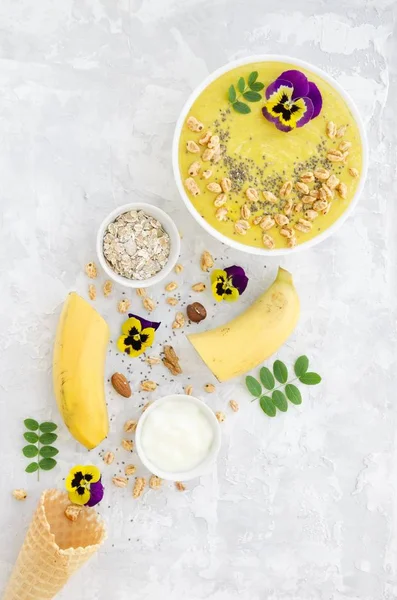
{"x": 298, "y": 80}
{"x": 315, "y": 96}
{"x": 238, "y": 277}
{"x": 91, "y": 474}
{"x": 72, "y": 479}
{"x": 218, "y": 274}
{"x": 149, "y": 332}
{"x": 97, "y": 491}
{"x": 80, "y": 498}
{"x": 132, "y": 323}
{"x": 145, "y": 323}
{"x": 121, "y": 345}
{"x": 274, "y": 88}
{"x": 232, "y": 296}
{"x": 275, "y": 120}
{"x": 308, "y": 112}
{"x": 218, "y": 297}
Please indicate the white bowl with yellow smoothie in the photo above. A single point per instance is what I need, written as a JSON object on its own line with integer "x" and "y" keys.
{"x": 270, "y": 155}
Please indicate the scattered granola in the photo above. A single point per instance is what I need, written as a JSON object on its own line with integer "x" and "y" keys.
{"x": 20, "y": 494}
{"x": 119, "y": 481}
{"x": 123, "y": 306}
{"x": 141, "y": 292}
{"x": 92, "y": 292}
{"x": 127, "y": 445}
{"x": 178, "y": 268}
{"x": 170, "y": 287}
{"x": 107, "y": 288}
{"x": 179, "y": 321}
{"x": 108, "y": 458}
{"x": 220, "y": 416}
{"x": 139, "y": 486}
{"x": 353, "y": 172}
{"x": 155, "y": 482}
{"x": 91, "y": 270}
{"x": 136, "y": 246}
{"x": 129, "y": 470}
{"x": 171, "y": 360}
{"x": 146, "y": 406}
{"x": 148, "y": 386}
{"x": 209, "y": 388}
{"x": 199, "y": 287}
{"x": 206, "y": 261}
{"x": 153, "y": 360}
{"x": 189, "y": 390}
{"x": 194, "y": 124}
{"x": 234, "y": 405}
{"x": 130, "y": 426}
{"x": 172, "y": 300}
{"x": 148, "y": 304}
{"x": 180, "y": 486}
{"x": 72, "y": 512}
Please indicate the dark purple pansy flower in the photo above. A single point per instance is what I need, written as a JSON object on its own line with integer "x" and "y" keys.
{"x": 292, "y": 101}
{"x": 97, "y": 490}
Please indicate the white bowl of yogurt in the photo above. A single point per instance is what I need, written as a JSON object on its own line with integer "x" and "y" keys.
{"x": 178, "y": 438}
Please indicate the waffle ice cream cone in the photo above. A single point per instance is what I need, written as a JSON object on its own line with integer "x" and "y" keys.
{"x": 54, "y": 548}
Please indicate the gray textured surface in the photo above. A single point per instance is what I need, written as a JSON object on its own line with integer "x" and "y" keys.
{"x": 302, "y": 507}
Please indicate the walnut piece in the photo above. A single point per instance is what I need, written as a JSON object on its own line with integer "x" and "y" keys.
{"x": 171, "y": 360}
{"x": 127, "y": 445}
{"x": 91, "y": 270}
{"x": 19, "y": 494}
{"x": 107, "y": 288}
{"x": 155, "y": 482}
{"x": 92, "y": 292}
{"x": 108, "y": 458}
{"x": 123, "y": 306}
{"x": 129, "y": 470}
{"x": 130, "y": 426}
{"x": 148, "y": 386}
{"x": 139, "y": 486}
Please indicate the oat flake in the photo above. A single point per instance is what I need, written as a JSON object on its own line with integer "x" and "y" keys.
{"x": 136, "y": 246}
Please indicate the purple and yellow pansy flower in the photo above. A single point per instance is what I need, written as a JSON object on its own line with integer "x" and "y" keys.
{"x": 292, "y": 101}
{"x": 137, "y": 335}
{"x": 84, "y": 485}
{"x": 228, "y": 284}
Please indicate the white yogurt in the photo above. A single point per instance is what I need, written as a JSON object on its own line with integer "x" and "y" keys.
{"x": 177, "y": 436}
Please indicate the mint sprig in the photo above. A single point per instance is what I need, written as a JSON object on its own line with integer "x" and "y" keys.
{"x": 40, "y": 445}
{"x": 248, "y": 91}
{"x": 278, "y": 400}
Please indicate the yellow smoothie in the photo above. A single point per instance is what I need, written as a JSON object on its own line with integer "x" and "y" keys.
{"x": 261, "y": 162}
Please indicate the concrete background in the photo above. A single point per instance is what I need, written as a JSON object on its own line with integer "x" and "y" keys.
{"x": 302, "y": 507}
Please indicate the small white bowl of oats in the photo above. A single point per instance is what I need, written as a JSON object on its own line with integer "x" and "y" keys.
{"x": 137, "y": 245}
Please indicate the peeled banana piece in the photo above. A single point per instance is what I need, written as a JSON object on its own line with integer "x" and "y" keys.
{"x": 249, "y": 339}
{"x": 78, "y": 371}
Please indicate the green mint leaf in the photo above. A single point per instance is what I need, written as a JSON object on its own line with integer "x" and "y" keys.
{"x": 267, "y": 406}
{"x": 32, "y": 467}
{"x": 48, "y": 451}
{"x": 280, "y": 371}
{"x": 48, "y": 427}
{"x": 280, "y": 400}
{"x": 30, "y": 451}
{"x": 293, "y": 394}
{"x": 47, "y": 438}
{"x": 241, "y": 85}
{"x": 47, "y": 464}
{"x": 310, "y": 378}
{"x": 31, "y": 424}
{"x": 253, "y": 385}
{"x": 252, "y": 77}
{"x": 252, "y": 96}
{"x": 241, "y": 107}
{"x": 257, "y": 87}
{"x": 301, "y": 366}
{"x": 31, "y": 437}
{"x": 267, "y": 378}
{"x": 232, "y": 94}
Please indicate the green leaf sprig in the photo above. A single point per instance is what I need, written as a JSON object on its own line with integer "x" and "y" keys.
{"x": 40, "y": 437}
{"x": 278, "y": 398}
{"x": 248, "y": 90}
